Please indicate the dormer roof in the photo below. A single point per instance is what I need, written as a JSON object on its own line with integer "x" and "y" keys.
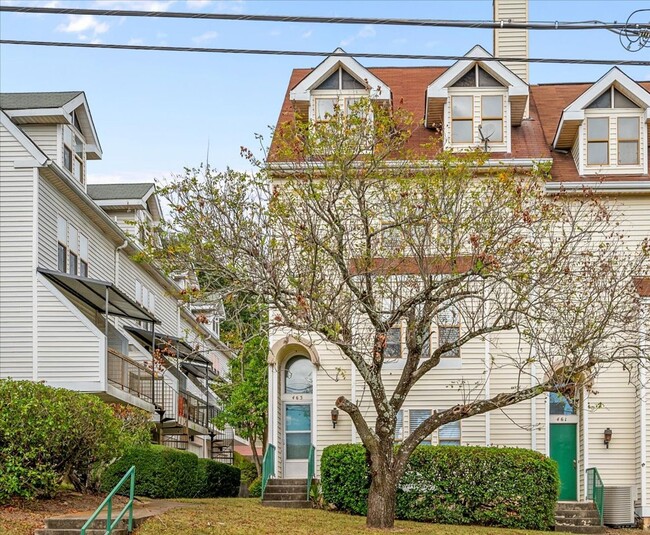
{"x": 437, "y": 92}
{"x": 126, "y": 196}
{"x": 377, "y": 88}
{"x": 573, "y": 115}
{"x": 54, "y": 108}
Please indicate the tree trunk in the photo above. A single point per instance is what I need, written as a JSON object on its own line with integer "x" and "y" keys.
{"x": 256, "y": 458}
{"x": 382, "y": 494}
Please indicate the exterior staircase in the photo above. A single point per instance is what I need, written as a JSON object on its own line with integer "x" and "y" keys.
{"x": 287, "y": 493}
{"x": 577, "y": 517}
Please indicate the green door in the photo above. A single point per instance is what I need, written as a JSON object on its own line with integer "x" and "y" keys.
{"x": 563, "y": 451}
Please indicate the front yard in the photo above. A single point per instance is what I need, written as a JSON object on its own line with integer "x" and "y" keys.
{"x": 237, "y": 516}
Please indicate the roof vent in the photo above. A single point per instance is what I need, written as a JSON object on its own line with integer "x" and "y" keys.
{"x": 619, "y": 506}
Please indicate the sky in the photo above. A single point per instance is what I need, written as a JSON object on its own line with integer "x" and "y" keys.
{"x": 158, "y": 112}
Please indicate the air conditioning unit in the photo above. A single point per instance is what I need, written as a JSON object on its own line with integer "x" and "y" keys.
{"x": 618, "y": 509}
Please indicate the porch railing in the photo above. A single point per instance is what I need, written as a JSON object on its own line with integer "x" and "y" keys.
{"x": 596, "y": 491}
{"x": 268, "y": 466}
{"x": 108, "y": 504}
{"x": 311, "y": 468}
{"x": 129, "y": 375}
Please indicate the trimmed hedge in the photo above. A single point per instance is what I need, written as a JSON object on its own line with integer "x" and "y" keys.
{"x": 255, "y": 488}
{"x": 162, "y": 472}
{"x": 507, "y": 487}
{"x": 218, "y": 480}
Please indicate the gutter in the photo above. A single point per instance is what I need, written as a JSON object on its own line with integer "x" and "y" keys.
{"x": 610, "y": 187}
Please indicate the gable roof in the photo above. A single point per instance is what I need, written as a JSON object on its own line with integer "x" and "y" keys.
{"x": 22, "y": 101}
{"x": 531, "y": 140}
{"x": 574, "y": 113}
{"x": 378, "y": 89}
{"x": 54, "y": 108}
{"x": 437, "y": 90}
{"x": 103, "y": 192}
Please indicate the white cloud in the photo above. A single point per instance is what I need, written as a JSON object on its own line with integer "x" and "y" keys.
{"x": 307, "y": 34}
{"x": 365, "y": 32}
{"x": 197, "y": 4}
{"x": 205, "y": 37}
{"x": 275, "y": 33}
{"x": 83, "y": 23}
{"x": 135, "y": 41}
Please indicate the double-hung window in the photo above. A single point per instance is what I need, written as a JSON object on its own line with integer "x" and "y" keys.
{"x": 83, "y": 255}
{"x": 62, "y": 245}
{"x": 73, "y": 151}
{"x": 449, "y": 434}
{"x": 393, "y": 348}
{"x": 399, "y": 426}
{"x": 416, "y": 417}
{"x": 492, "y": 117}
{"x": 598, "y": 140}
{"x": 462, "y": 122}
{"x": 73, "y": 245}
{"x": 449, "y": 330}
{"x": 628, "y": 135}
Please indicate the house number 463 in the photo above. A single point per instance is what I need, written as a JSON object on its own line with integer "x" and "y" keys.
{"x": 296, "y": 398}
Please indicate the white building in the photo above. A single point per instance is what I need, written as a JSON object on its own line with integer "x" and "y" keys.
{"x": 76, "y": 311}
{"x": 593, "y": 134}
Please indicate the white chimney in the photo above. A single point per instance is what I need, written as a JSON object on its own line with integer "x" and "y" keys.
{"x": 512, "y": 43}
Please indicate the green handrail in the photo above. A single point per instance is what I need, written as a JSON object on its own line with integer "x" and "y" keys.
{"x": 108, "y": 503}
{"x": 268, "y": 466}
{"x": 596, "y": 491}
{"x": 311, "y": 468}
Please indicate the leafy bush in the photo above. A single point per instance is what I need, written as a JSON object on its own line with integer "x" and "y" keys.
{"x": 248, "y": 470}
{"x": 160, "y": 472}
{"x": 48, "y": 435}
{"x": 255, "y": 488}
{"x": 218, "y": 480}
{"x": 509, "y": 487}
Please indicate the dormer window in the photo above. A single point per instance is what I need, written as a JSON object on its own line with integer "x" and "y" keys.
{"x": 628, "y": 140}
{"x": 462, "y": 119}
{"x": 73, "y": 153}
{"x": 492, "y": 118}
{"x": 339, "y": 91}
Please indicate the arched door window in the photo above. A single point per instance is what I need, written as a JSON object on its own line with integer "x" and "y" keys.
{"x": 298, "y": 376}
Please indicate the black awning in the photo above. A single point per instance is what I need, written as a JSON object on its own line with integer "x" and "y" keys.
{"x": 164, "y": 341}
{"x": 94, "y": 293}
{"x": 199, "y": 370}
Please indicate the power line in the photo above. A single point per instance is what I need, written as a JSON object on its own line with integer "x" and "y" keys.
{"x": 477, "y": 24}
{"x": 313, "y": 53}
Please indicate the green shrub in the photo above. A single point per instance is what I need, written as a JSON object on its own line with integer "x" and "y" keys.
{"x": 160, "y": 472}
{"x": 508, "y": 487}
{"x": 48, "y": 435}
{"x": 248, "y": 470}
{"x": 255, "y": 488}
{"x": 218, "y": 480}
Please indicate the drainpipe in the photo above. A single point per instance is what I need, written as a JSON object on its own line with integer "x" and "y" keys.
{"x": 117, "y": 262}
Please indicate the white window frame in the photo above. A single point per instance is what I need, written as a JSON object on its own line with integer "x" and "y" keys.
{"x": 70, "y": 146}
{"x": 427, "y": 441}
{"x": 458, "y": 325}
{"x": 460, "y": 433}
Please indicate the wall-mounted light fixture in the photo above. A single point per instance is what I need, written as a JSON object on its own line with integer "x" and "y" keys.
{"x": 335, "y": 417}
{"x": 607, "y": 437}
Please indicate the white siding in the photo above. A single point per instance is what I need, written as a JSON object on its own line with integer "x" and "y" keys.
{"x": 69, "y": 349}
{"x": 101, "y": 250}
{"x": 45, "y": 138}
{"x": 16, "y": 260}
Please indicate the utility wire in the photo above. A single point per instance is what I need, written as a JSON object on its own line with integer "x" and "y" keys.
{"x": 479, "y": 24}
{"x": 313, "y": 53}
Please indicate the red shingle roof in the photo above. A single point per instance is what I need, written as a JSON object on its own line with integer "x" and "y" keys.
{"x": 530, "y": 140}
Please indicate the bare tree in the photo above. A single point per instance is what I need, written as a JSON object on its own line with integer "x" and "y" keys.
{"x": 346, "y": 235}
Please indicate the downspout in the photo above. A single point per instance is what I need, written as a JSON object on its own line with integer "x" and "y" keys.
{"x": 116, "y": 268}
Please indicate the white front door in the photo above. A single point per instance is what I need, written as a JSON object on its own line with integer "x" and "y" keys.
{"x": 297, "y": 415}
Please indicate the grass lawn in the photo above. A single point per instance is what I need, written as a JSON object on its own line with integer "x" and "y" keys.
{"x": 241, "y": 516}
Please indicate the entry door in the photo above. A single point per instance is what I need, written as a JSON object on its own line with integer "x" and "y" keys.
{"x": 297, "y": 411}
{"x": 564, "y": 448}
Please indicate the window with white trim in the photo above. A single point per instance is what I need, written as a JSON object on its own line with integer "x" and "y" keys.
{"x": 449, "y": 330}
{"x": 449, "y": 434}
{"x": 399, "y": 426}
{"x": 416, "y": 417}
{"x": 74, "y": 150}
{"x": 393, "y": 348}
{"x": 145, "y": 297}
{"x": 462, "y": 119}
{"x": 72, "y": 249}
{"x": 614, "y": 129}
{"x": 340, "y": 90}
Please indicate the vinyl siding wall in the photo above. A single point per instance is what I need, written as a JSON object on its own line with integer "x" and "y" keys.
{"x": 45, "y": 136}
{"x": 16, "y": 260}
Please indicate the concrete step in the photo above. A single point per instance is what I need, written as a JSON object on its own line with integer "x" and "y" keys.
{"x": 564, "y": 506}
{"x": 578, "y": 513}
{"x": 63, "y": 522}
{"x": 304, "y": 504}
{"x": 287, "y": 482}
{"x": 277, "y": 496}
{"x": 577, "y": 522}
{"x": 286, "y": 489}
{"x": 580, "y": 529}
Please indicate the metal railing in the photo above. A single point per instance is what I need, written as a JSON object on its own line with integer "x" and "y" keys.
{"x": 268, "y": 466}
{"x": 596, "y": 491}
{"x": 129, "y": 375}
{"x": 108, "y": 504}
{"x": 311, "y": 468}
